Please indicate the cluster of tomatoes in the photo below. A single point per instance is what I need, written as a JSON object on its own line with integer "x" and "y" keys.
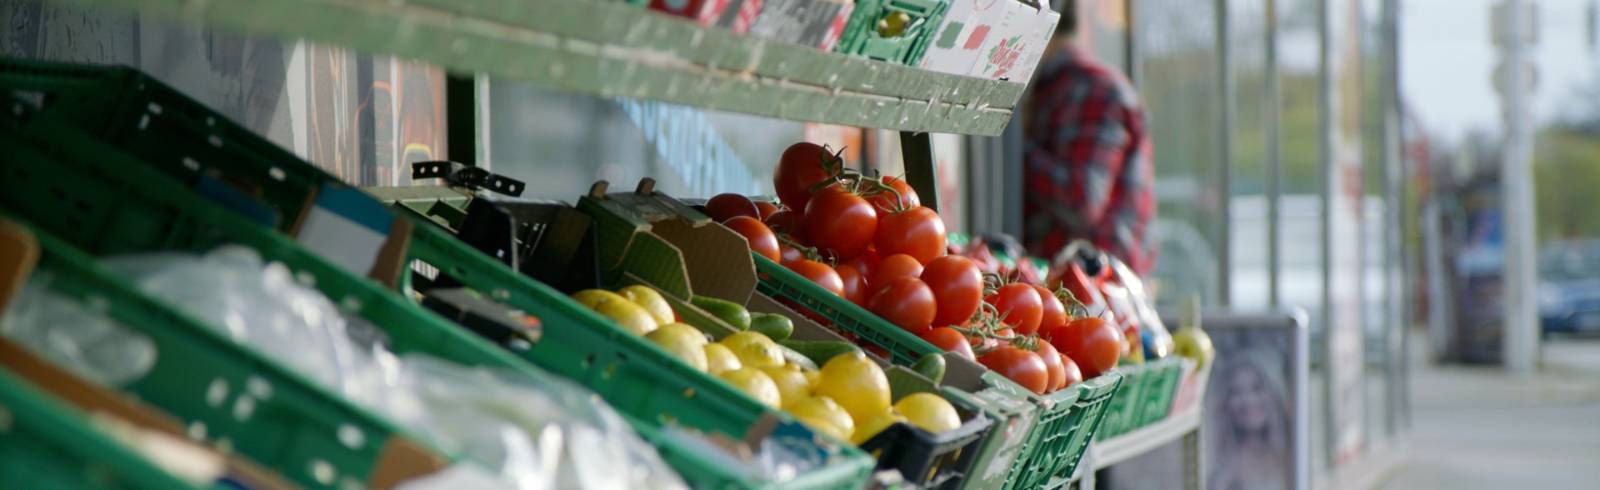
{"x": 869, "y": 240}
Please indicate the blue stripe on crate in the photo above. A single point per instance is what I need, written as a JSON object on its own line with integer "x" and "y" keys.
{"x": 236, "y": 201}
{"x": 356, "y": 206}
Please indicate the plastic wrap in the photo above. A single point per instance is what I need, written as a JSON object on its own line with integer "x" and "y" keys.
{"x": 523, "y": 432}
{"x": 85, "y": 341}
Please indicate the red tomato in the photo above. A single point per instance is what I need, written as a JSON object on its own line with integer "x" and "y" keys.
{"x": 905, "y": 302}
{"x": 957, "y": 287}
{"x": 866, "y": 263}
{"x": 885, "y": 200}
{"x": 893, "y": 267}
{"x": 1026, "y": 368}
{"x": 840, "y": 222}
{"x": 789, "y": 223}
{"x": 855, "y": 286}
{"x": 721, "y": 207}
{"x": 1053, "y": 314}
{"x": 1020, "y": 305}
{"x": 788, "y": 254}
{"x": 1091, "y": 342}
{"x": 802, "y": 166}
{"x": 918, "y": 232}
{"x": 949, "y": 340}
{"x": 1052, "y": 364}
{"x": 761, "y": 239}
{"x": 819, "y": 273}
{"x": 1073, "y": 374}
{"x": 766, "y": 209}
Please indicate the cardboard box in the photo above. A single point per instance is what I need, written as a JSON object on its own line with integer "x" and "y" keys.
{"x": 954, "y": 49}
{"x": 1012, "y": 49}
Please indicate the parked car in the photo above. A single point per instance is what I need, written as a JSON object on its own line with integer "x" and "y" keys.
{"x": 1569, "y": 286}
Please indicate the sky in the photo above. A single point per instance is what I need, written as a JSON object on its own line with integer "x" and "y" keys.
{"x": 1447, "y": 58}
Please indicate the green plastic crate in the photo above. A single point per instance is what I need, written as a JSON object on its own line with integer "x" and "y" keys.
{"x": 220, "y": 388}
{"x": 638, "y": 378}
{"x": 1123, "y": 410}
{"x": 1071, "y": 437}
{"x": 624, "y": 222}
{"x": 1040, "y": 456}
{"x": 1161, "y": 386}
{"x": 48, "y": 445}
{"x": 861, "y": 35}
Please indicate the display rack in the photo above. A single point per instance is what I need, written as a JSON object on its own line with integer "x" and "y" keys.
{"x": 610, "y": 48}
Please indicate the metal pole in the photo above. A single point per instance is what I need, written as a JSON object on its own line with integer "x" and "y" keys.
{"x": 1224, "y": 132}
{"x": 1274, "y": 150}
{"x": 1394, "y": 331}
{"x": 1521, "y": 316}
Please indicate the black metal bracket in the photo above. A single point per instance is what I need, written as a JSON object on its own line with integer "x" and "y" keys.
{"x": 917, "y": 151}
{"x": 468, "y": 177}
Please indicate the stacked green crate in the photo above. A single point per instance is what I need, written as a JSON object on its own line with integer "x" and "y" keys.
{"x": 1066, "y": 420}
{"x": 169, "y": 132}
{"x": 48, "y": 445}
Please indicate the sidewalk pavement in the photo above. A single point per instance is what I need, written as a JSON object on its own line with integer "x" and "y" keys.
{"x": 1477, "y": 427}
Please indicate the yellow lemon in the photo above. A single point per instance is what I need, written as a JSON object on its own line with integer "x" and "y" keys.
{"x": 650, "y": 300}
{"x": 720, "y": 359}
{"x": 812, "y": 377}
{"x": 632, "y": 317}
{"x": 857, "y": 384}
{"x": 791, "y": 384}
{"x": 873, "y": 425}
{"x": 928, "y": 411}
{"x": 754, "y": 383}
{"x": 591, "y": 298}
{"x": 754, "y": 349}
{"x": 822, "y": 414}
{"x": 683, "y": 342}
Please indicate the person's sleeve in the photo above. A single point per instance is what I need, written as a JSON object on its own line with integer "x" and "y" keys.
{"x": 1095, "y": 148}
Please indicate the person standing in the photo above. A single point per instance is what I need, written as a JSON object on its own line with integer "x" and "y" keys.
{"x": 1087, "y": 172}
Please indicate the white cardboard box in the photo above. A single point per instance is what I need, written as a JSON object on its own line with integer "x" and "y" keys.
{"x": 1013, "y": 50}
{"x": 967, "y": 26}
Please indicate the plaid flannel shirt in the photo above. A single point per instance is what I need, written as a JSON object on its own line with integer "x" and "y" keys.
{"x": 1088, "y": 172}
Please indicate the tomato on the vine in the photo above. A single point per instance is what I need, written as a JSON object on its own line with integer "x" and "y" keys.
{"x": 761, "y": 239}
{"x": 803, "y": 166}
{"x": 819, "y": 273}
{"x": 1053, "y": 313}
{"x": 894, "y": 267}
{"x": 787, "y": 254}
{"x": 866, "y": 264}
{"x": 1019, "y": 307}
{"x": 855, "y": 286}
{"x": 1073, "y": 374}
{"x": 1052, "y": 364}
{"x": 905, "y": 302}
{"x": 918, "y": 232}
{"x": 957, "y": 288}
{"x": 723, "y": 207}
{"x": 1021, "y": 366}
{"x": 789, "y": 223}
{"x": 950, "y": 340}
{"x": 840, "y": 222}
{"x": 766, "y": 209}
{"x": 885, "y": 200}
{"x": 1091, "y": 342}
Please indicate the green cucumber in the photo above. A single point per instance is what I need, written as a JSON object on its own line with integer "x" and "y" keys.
{"x": 820, "y": 351}
{"x": 724, "y": 310}
{"x": 774, "y": 326}
{"x": 930, "y": 365}
{"x": 798, "y": 359}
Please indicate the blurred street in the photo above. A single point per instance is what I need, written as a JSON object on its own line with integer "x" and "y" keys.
{"x": 1477, "y": 427}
